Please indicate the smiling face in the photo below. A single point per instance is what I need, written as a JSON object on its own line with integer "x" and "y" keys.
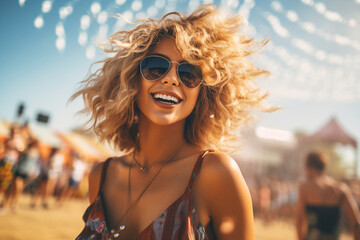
{"x": 166, "y": 100}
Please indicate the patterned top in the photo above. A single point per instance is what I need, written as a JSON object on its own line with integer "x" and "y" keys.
{"x": 179, "y": 221}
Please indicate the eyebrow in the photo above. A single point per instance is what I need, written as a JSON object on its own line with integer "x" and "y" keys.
{"x": 164, "y": 56}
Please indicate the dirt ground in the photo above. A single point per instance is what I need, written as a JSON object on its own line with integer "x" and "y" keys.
{"x": 65, "y": 222}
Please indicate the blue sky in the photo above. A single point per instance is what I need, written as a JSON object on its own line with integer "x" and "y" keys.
{"x": 314, "y": 55}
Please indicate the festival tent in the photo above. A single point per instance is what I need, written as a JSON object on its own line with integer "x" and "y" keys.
{"x": 47, "y": 140}
{"x": 265, "y": 145}
{"x": 87, "y": 146}
{"x": 46, "y": 136}
{"x": 262, "y": 150}
{"x": 333, "y": 132}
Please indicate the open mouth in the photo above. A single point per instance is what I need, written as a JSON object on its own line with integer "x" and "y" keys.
{"x": 166, "y": 99}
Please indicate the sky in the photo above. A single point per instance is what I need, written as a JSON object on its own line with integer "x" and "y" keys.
{"x": 47, "y": 47}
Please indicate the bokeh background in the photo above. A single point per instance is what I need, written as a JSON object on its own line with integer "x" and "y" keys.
{"x": 47, "y": 48}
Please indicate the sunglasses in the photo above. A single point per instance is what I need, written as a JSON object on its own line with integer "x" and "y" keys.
{"x": 154, "y": 67}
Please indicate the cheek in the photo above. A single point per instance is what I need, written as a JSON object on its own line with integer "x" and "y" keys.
{"x": 142, "y": 94}
{"x": 196, "y": 95}
{"x": 193, "y": 98}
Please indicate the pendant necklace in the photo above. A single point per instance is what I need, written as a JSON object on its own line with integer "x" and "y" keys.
{"x": 120, "y": 227}
{"x": 142, "y": 168}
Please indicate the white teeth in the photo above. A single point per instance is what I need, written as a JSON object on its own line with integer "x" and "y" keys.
{"x": 166, "y": 97}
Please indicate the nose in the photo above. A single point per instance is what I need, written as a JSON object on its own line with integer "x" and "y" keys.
{"x": 171, "y": 78}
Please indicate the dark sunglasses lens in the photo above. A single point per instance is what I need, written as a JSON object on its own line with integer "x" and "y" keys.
{"x": 153, "y": 68}
{"x": 190, "y": 75}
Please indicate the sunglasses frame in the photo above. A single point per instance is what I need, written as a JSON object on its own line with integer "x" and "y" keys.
{"x": 171, "y": 62}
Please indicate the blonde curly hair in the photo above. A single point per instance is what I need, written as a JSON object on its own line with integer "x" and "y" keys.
{"x": 206, "y": 38}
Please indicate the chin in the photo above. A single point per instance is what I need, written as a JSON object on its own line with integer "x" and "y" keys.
{"x": 164, "y": 119}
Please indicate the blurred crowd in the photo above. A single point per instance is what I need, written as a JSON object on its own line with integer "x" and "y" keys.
{"x": 275, "y": 199}
{"x": 49, "y": 174}
{"x": 53, "y": 175}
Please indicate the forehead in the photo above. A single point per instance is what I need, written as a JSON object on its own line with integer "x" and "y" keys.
{"x": 167, "y": 47}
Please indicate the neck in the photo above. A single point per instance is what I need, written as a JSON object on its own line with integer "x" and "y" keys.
{"x": 158, "y": 143}
{"x": 314, "y": 174}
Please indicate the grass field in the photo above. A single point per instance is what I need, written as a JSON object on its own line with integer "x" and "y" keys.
{"x": 65, "y": 223}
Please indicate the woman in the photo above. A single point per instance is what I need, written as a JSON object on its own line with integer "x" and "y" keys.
{"x": 173, "y": 89}
{"x": 320, "y": 202}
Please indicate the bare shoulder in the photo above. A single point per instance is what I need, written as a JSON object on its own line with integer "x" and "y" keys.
{"x": 226, "y": 197}
{"x": 220, "y": 164}
{"x": 94, "y": 181}
{"x": 338, "y": 187}
{"x": 220, "y": 174}
{"x": 344, "y": 188}
{"x": 95, "y": 171}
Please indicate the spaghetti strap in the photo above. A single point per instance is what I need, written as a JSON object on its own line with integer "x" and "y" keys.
{"x": 197, "y": 168}
{"x": 103, "y": 173}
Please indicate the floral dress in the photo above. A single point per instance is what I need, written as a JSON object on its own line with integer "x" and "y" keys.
{"x": 179, "y": 221}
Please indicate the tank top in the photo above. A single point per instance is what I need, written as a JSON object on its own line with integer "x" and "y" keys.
{"x": 179, "y": 221}
{"x": 323, "y": 222}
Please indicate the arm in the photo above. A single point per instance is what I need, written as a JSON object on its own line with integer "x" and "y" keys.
{"x": 94, "y": 181}
{"x": 300, "y": 214}
{"x": 352, "y": 211}
{"x": 226, "y": 197}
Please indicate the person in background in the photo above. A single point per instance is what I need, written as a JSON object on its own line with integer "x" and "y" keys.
{"x": 25, "y": 171}
{"x": 265, "y": 201}
{"x": 42, "y": 181}
{"x": 320, "y": 201}
{"x": 8, "y": 160}
{"x": 78, "y": 170}
{"x": 55, "y": 170}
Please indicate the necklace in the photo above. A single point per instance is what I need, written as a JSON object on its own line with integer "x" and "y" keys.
{"x": 120, "y": 227}
{"x": 142, "y": 168}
